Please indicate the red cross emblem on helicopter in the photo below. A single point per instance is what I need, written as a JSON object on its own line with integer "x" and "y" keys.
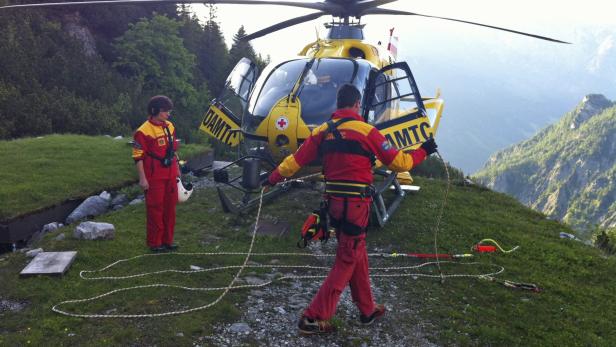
{"x": 282, "y": 123}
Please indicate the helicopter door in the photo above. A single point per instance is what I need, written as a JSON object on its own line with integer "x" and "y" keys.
{"x": 394, "y": 106}
{"x": 223, "y": 119}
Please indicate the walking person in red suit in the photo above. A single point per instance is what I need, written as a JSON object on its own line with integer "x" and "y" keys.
{"x": 348, "y": 146}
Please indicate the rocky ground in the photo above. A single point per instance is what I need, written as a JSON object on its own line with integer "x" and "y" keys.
{"x": 271, "y": 314}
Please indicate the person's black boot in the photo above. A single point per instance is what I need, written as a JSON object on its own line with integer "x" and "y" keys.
{"x": 379, "y": 311}
{"x": 171, "y": 247}
{"x": 159, "y": 249}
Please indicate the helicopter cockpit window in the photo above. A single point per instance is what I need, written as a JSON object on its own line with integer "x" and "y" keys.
{"x": 279, "y": 83}
{"x": 320, "y": 85}
{"x": 238, "y": 86}
{"x": 316, "y": 91}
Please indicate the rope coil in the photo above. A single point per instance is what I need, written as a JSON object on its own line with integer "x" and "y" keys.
{"x": 401, "y": 270}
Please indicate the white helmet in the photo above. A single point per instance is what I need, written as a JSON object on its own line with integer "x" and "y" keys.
{"x": 184, "y": 192}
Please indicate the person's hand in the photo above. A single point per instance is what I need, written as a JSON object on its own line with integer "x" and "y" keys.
{"x": 429, "y": 146}
{"x": 272, "y": 179}
{"x": 143, "y": 183}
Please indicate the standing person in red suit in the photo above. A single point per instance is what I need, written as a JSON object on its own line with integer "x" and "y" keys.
{"x": 348, "y": 146}
{"x": 154, "y": 148}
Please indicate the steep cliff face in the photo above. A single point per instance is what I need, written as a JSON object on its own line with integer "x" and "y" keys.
{"x": 568, "y": 170}
{"x": 73, "y": 24}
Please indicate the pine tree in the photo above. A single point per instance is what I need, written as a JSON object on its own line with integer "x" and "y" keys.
{"x": 213, "y": 56}
{"x": 243, "y": 49}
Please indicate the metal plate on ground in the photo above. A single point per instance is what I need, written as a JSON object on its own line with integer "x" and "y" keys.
{"x": 49, "y": 263}
{"x": 265, "y": 227}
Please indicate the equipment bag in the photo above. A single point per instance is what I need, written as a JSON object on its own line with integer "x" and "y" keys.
{"x": 315, "y": 227}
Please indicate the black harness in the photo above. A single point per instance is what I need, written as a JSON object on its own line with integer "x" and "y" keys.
{"x": 167, "y": 160}
{"x": 341, "y": 145}
{"x": 345, "y": 189}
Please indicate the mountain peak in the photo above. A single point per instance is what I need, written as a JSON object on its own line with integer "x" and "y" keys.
{"x": 591, "y": 105}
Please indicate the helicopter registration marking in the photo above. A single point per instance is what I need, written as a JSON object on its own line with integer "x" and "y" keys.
{"x": 406, "y": 132}
{"x": 221, "y": 126}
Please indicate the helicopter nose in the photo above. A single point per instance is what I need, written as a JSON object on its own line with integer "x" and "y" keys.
{"x": 282, "y": 140}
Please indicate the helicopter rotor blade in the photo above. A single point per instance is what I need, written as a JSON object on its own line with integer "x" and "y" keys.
{"x": 364, "y": 5}
{"x": 396, "y": 12}
{"x": 314, "y": 6}
{"x": 283, "y": 25}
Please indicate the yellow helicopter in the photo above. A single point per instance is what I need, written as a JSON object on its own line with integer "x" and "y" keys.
{"x": 267, "y": 115}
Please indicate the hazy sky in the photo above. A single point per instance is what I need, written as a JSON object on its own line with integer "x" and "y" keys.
{"x": 544, "y": 17}
{"x": 499, "y": 87}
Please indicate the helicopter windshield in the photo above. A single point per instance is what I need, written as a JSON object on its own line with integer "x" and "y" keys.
{"x": 317, "y": 90}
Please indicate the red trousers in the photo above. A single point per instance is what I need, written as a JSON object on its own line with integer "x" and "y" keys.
{"x": 350, "y": 266}
{"x": 160, "y": 200}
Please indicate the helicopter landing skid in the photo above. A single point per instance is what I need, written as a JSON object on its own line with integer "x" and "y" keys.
{"x": 248, "y": 201}
{"x": 380, "y": 211}
{"x": 248, "y": 183}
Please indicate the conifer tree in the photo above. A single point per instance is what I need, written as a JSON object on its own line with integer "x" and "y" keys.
{"x": 213, "y": 56}
{"x": 243, "y": 49}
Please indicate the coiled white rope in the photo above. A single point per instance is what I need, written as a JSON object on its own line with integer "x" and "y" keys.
{"x": 56, "y": 308}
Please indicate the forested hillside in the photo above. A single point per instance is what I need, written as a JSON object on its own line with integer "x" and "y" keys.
{"x": 91, "y": 70}
{"x": 567, "y": 170}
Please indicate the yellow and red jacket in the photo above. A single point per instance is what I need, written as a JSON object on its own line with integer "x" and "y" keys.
{"x": 150, "y": 145}
{"x": 351, "y": 163}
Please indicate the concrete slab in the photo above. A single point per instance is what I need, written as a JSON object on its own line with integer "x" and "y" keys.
{"x": 49, "y": 263}
{"x": 278, "y": 229}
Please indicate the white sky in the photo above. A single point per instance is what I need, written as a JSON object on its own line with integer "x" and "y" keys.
{"x": 543, "y": 17}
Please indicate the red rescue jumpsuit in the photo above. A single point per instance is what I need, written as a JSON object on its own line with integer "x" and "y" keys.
{"x": 347, "y": 161}
{"x": 150, "y": 145}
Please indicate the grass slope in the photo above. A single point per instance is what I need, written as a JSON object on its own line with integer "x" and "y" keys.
{"x": 42, "y": 172}
{"x": 576, "y": 307}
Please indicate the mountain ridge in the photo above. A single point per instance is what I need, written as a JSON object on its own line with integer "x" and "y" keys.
{"x": 566, "y": 170}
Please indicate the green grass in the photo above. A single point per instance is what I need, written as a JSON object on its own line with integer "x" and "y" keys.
{"x": 40, "y": 172}
{"x": 576, "y": 307}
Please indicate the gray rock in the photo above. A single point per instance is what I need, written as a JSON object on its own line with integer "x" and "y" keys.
{"x": 240, "y": 328}
{"x": 254, "y": 280}
{"x": 51, "y": 227}
{"x": 60, "y": 237}
{"x": 105, "y": 195}
{"x": 33, "y": 252}
{"x": 12, "y": 306}
{"x": 136, "y": 202}
{"x": 120, "y": 199}
{"x": 92, "y": 206}
{"x": 119, "y": 137}
{"x": 94, "y": 231}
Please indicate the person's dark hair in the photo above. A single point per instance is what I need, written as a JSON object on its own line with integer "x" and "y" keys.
{"x": 348, "y": 95}
{"x": 159, "y": 103}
